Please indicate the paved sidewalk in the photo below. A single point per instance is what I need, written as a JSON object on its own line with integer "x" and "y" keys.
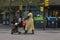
{"x": 48, "y": 34}
{"x": 39, "y": 35}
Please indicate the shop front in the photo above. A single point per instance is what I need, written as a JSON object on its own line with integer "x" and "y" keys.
{"x": 54, "y": 14}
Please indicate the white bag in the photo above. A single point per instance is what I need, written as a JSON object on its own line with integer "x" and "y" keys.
{"x": 16, "y": 23}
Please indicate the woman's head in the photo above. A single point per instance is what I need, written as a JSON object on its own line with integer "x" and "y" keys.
{"x": 29, "y": 10}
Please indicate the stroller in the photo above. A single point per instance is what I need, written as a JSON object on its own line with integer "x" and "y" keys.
{"x": 15, "y": 29}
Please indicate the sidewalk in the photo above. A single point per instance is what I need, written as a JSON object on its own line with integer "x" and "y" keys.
{"x": 39, "y": 35}
{"x": 48, "y": 34}
{"x": 6, "y": 28}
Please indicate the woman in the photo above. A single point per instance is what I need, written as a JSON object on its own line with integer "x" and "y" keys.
{"x": 29, "y": 23}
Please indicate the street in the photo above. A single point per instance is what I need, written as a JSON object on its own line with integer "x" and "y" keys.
{"x": 48, "y": 34}
{"x": 39, "y": 35}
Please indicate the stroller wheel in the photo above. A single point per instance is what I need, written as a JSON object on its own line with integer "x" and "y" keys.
{"x": 11, "y": 32}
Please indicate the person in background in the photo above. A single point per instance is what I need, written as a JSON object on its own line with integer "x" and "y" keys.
{"x": 14, "y": 19}
{"x": 29, "y": 23}
{"x": 24, "y": 23}
{"x": 19, "y": 20}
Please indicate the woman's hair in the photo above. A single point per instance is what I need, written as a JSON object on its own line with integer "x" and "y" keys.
{"x": 29, "y": 10}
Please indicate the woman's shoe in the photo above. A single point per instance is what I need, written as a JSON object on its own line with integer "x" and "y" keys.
{"x": 25, "y": 32}
{"x": 32, "y": 31}
{"x": 19, "y": 32}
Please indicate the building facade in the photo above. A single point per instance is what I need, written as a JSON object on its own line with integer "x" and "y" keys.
{"x": 12, "y": 6}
